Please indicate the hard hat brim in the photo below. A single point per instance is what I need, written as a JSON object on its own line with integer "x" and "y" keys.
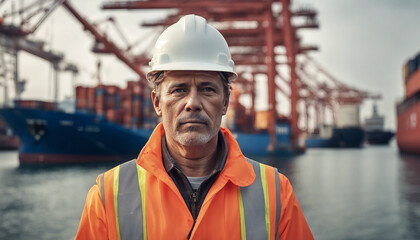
{"x": 193, "y": 66}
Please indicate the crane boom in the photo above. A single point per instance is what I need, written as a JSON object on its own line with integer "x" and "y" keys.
{"x": 108, "y": 44}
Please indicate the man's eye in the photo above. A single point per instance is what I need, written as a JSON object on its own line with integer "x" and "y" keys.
{"x": 178, "y": 90}
{"x": 208, "y": 89}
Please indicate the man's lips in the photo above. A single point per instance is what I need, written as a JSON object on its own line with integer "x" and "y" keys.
{"x": 193, "y": 122}
{"x": 193, "y": 119}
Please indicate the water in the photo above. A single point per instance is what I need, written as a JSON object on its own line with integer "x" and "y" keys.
{"x": 370, "y": 193}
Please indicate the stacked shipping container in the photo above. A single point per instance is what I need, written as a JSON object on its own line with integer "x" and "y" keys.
{"x": 412, "y": 76}
{"x": 121, "y": 106}
{"x": 35, "y": 104}
{"x": 132, "y": 105}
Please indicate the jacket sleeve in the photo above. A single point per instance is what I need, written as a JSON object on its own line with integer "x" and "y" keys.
{"x": 292, "y": 224}
{"x": 93, "y": 221}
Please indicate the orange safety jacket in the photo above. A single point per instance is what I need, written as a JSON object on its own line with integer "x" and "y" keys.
{"x": 138, "y": 199}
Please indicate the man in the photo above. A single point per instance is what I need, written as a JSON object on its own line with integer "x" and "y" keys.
{"x": 191, "y": 181}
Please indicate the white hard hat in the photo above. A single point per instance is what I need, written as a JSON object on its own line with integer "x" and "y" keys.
{"x": 192, "y": 45}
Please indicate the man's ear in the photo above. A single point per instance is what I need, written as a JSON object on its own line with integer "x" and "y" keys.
{"x": 156, "y": 103}
{"x": 225, "y": 105}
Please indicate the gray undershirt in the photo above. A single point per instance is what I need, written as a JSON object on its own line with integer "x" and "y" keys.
{"x": 196, "y": 181}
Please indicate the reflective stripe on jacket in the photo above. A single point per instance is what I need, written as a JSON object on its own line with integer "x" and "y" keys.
{"x": 140, "y": 201}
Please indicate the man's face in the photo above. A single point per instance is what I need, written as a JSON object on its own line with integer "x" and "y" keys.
{"x": 191, "y": 105}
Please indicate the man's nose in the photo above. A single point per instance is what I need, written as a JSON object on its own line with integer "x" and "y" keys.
{"x": 193, "y": 101}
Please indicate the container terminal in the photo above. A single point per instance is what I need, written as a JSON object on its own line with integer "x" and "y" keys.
{"x": 111, "y": 123}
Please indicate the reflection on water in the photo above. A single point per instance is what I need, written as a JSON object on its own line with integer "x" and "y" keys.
{"x": 42, "y": 203}
{"x": 410, "y": 195}
{"x": 370, "y": 193}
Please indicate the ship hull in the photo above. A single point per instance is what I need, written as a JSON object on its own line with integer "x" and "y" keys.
{"x": 349, "y": 137}
{"x": 55, "y": 137}
{"x": 408, "y": 125}
{"x": 256, "y": 144}
{"x": 379, "y": 137}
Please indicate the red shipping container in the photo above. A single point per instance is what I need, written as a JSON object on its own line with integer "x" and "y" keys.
{"x": 111, "y": 89}
{"x": 48, "y": 105}
{"x": 81, "y": 97}
{"x": 130, "y": 84}
{"x": 99, "y": 111}
{"x": 127, "y": 117}
{"x": 81, "y": 92}
{"x": 81, "y": 103}
{"x": 127, "y": 120}
{"x": 100, "y": 105}
{"x": 113, "y": 115}
{"x": 110, "y": 101}
{"x": 136, "y": 108}
{"x": 91, "y": 98}
{"x": 137, "y": 90}
{"x": 126, "y": 94}
{"x": 27, "y": 104}
{"x": 127, "y": 105}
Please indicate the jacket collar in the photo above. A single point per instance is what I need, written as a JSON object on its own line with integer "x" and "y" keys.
{"x": 222, "y": 150}
{"x": 237, "y": 169}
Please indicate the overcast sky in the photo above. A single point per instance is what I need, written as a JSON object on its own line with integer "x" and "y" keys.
{"x": 366, "y": 43}
{"x": 361, "y": 43}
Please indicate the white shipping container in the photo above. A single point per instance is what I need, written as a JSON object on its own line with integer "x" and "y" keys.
{"x": 325, "y": 131}
{"x": 348, "y": 116}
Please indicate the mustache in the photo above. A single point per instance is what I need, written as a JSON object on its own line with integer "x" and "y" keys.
{"x": 194, "y": 117}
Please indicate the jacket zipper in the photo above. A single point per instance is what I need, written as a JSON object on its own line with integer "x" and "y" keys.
{"x": 194, "y": 204}
{"x": 193, "y": 210}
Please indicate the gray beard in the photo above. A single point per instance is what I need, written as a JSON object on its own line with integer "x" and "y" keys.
{"x": 199, "y": 140}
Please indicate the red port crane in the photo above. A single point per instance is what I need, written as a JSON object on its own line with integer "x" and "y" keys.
{"x": 256, "y": 43}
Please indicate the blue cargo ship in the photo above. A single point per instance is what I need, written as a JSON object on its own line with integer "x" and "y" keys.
{"x": 346, "y": 132}
{"x": 333, "y": 137}
{"x": 56, "y": 137}
{"x": 52, "y": 136}
{"x": 374, "y": 129}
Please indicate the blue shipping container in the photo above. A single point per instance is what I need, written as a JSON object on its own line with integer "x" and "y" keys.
{"x": 412, "y": 66}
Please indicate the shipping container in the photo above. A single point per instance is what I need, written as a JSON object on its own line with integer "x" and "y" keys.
{"x": 418, "y": 61}
{"x": 412, "y": 84}
{"x": 127, "y": 105}
{"x": 405, "y": 71}
{"x": 108, "y": 100}
{"x": 81, "y": 103}
{"x": 81, "y": 92}
{"x": 261, "y": 120}
{"x": 348, "y": 115}
{"x": 111, "y": 89}
{"x": 91, "y": 98}
{"x": 137, "y": 97}
{"x": 136, "y": 108}
{"x": 114, "y": 115}
{"x": 99, "y": 91}
{"x": 81, "y": 97}
{"x": 134, "y": 87}
{"x": 35, "y": 104}
{"x": 412, "y": 66}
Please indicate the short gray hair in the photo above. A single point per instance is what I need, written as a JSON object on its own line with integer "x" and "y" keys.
{"x": 157, "y": 78}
